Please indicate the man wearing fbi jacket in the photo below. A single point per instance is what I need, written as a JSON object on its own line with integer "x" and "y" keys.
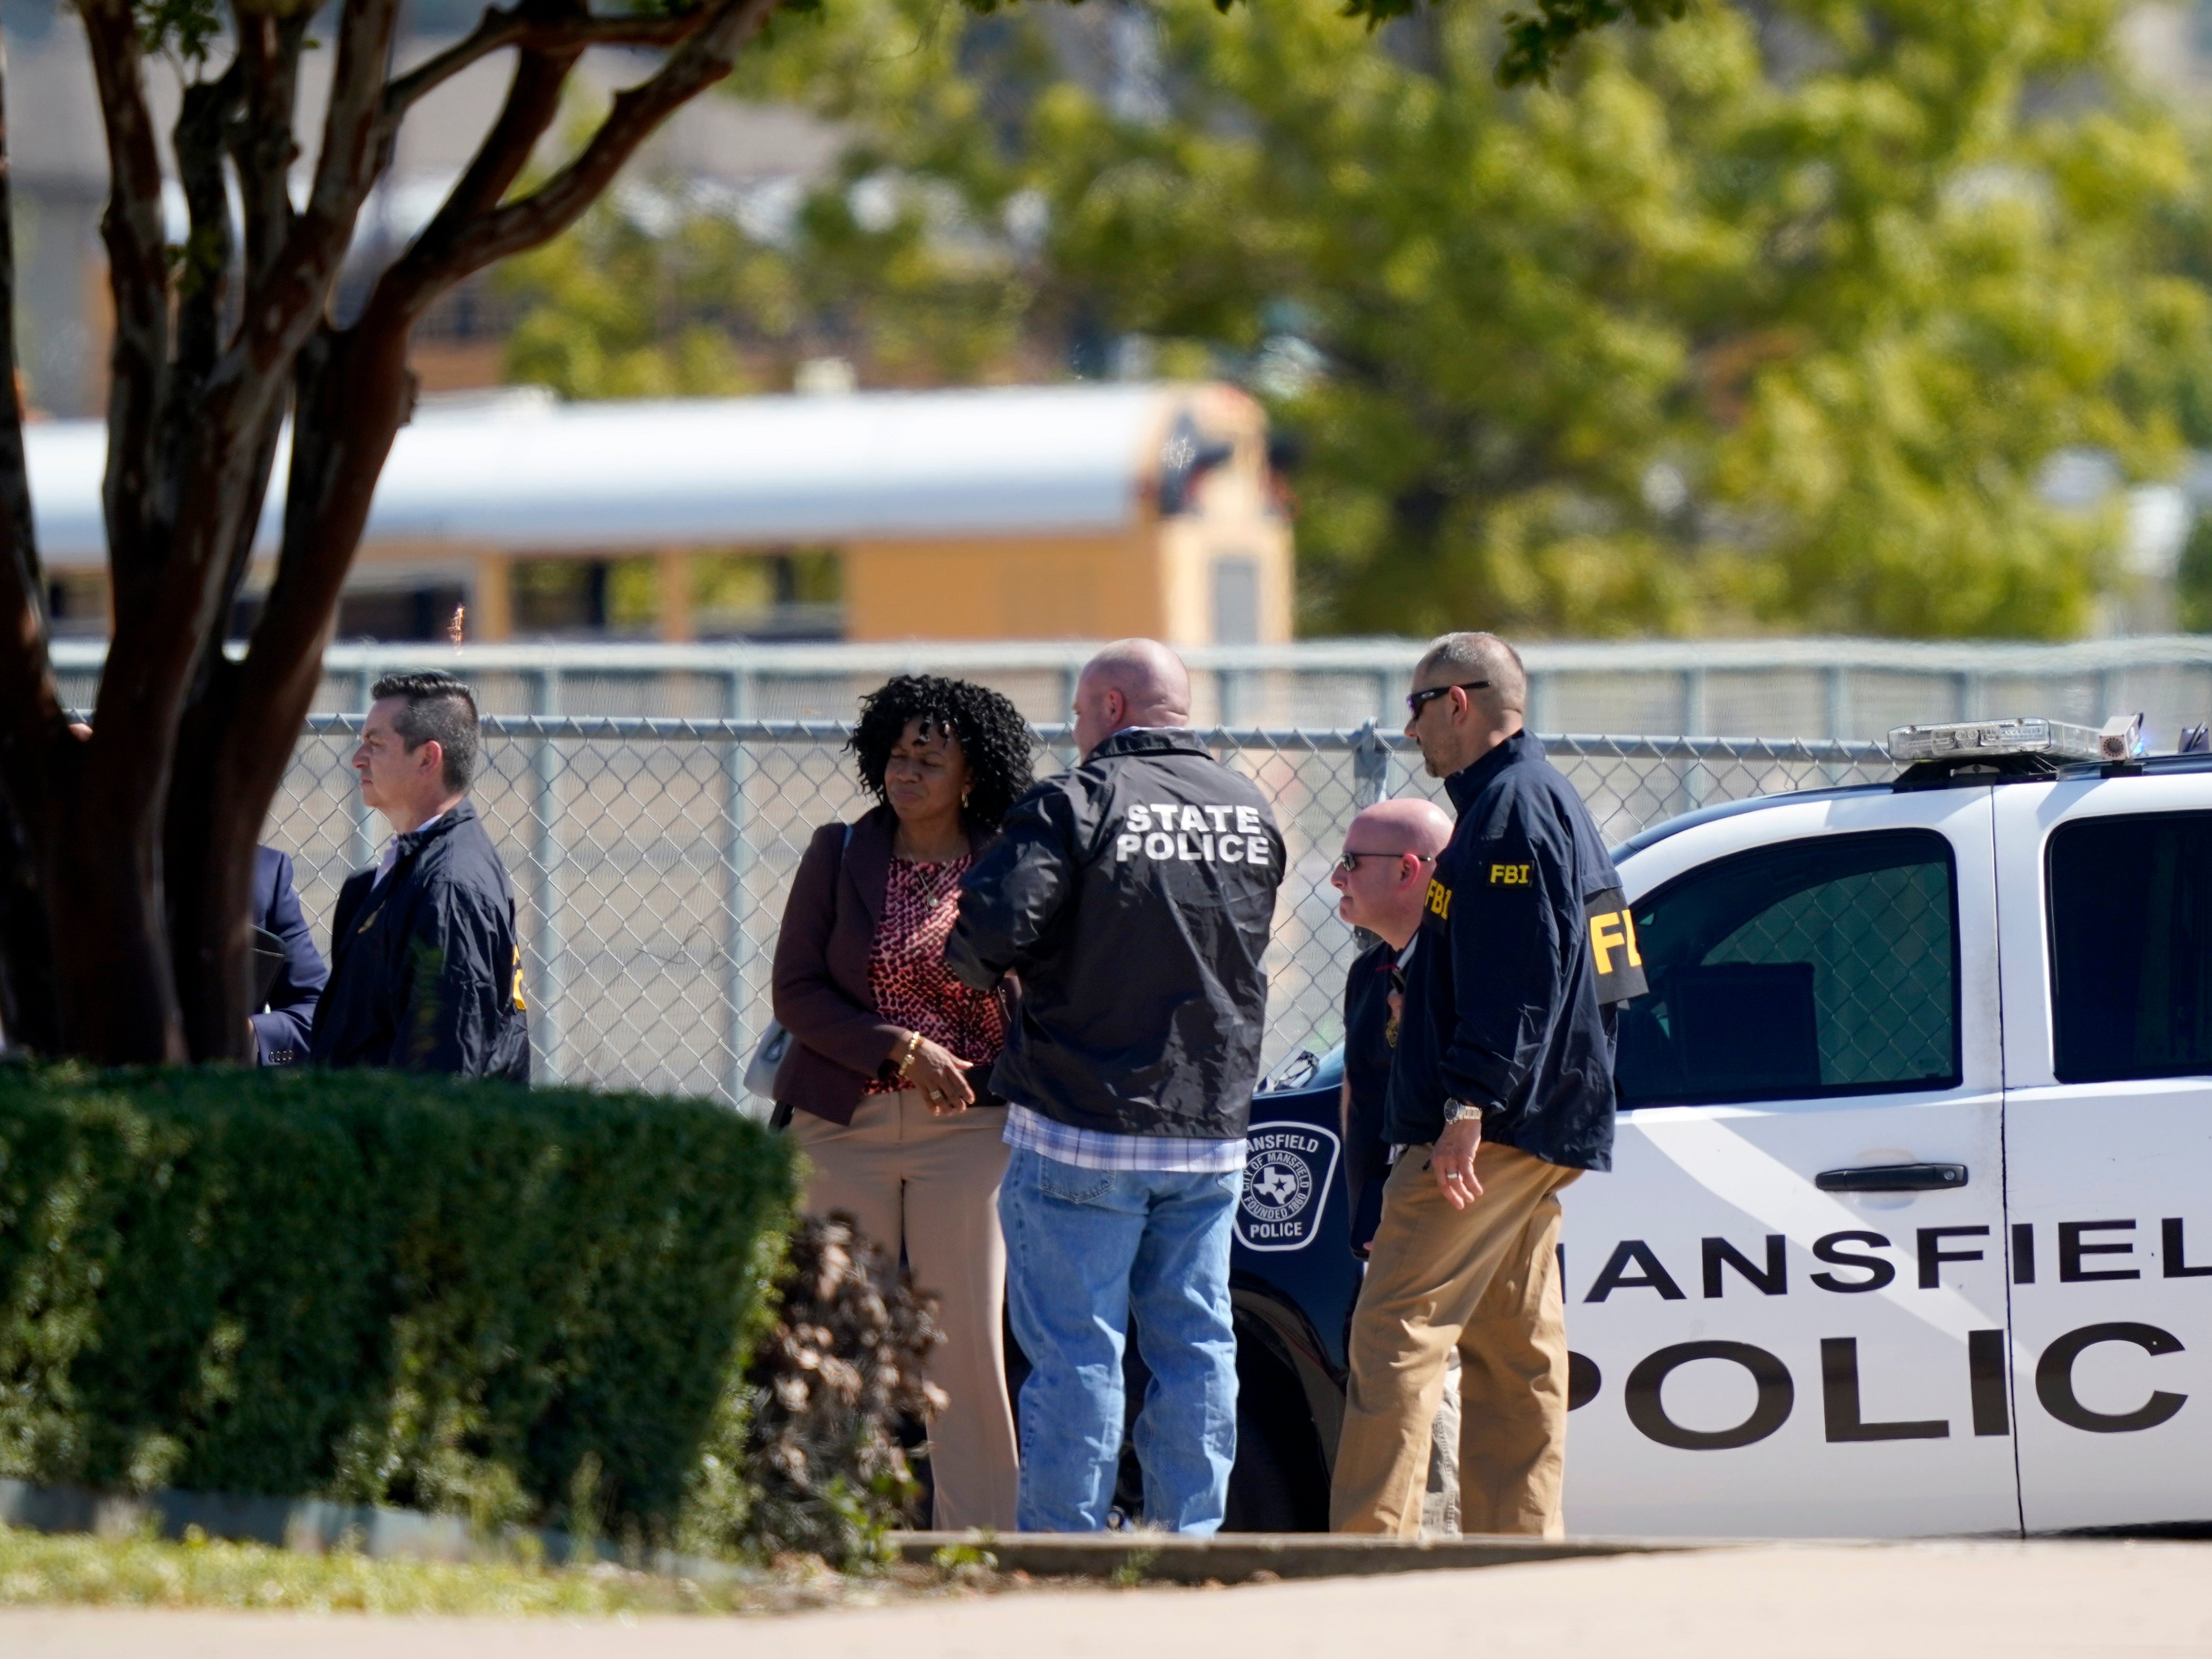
{"x": 1501, "y": 1094}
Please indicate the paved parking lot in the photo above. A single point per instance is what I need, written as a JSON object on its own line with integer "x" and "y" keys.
{"x": 1959, "y": 1601}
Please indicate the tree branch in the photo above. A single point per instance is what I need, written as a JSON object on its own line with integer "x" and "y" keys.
{"x": 262, "y": 145}
{"x": 282, "y": 309}
{"x": 138, "y": 280}
{"x": 353, "y": 389}
{"x": 31, "y": 722}
{"x": 19, "y": 552}
{"x": 27, "y": 693}
{"x": 722, "y": 31}
{"x": 200, "y": 140}
{"x": 262, "y": 149}
{"x": 501, "y": 30}
{"x": 533, "y": 101}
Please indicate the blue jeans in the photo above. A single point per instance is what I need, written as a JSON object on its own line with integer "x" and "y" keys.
{"x": 1086, "y": 1250}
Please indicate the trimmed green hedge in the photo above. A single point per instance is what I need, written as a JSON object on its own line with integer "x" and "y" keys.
{"x": 523, "y": 1305}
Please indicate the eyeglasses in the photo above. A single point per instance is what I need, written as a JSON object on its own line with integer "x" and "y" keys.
{"x": 1349, "y": 862}
{"x": 1421, "y": 700}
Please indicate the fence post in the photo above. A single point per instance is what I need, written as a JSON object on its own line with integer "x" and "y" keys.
{"x": 545, "y": 881}
{"x": 736, "y": 765}
{"x": 364, "y": 820}
{"x": 1696, "y": 776}
{"x": 1969, "y": 694}
{"x": 1370, "y": 768}
{"x": 1539, "y": 712}
{"x": 1839, "y": 707}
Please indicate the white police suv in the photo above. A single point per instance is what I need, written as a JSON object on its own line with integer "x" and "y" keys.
{"x": 1910, "y": 1227}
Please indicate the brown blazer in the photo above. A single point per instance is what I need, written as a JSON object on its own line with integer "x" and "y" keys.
{"x": 820, "y": 984}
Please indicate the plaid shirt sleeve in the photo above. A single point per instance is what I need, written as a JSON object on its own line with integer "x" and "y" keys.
{"x": 1094, "y": 1149}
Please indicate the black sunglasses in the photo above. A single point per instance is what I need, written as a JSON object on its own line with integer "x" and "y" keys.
{"x": 1349, "y": 862}
{"x": 1421, "y": 700}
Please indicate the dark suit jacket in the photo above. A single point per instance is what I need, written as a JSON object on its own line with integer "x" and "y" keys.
{"x": 820, "y": 984}
{"x": 1369, "y": 1042}
{"x": 281, "y": 1030}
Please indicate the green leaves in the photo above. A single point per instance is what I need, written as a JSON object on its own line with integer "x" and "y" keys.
{"x": 184, "y": 28}
{"x": 1536, "y": 44}
{"x": 1749, "y": 321}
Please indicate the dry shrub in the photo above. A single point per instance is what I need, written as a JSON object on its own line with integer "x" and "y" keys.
{"x": 831, "y": 1380}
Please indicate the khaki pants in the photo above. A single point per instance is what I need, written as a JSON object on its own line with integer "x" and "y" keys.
{"x": 932, "y": 1183}
{"x": 1484, "y": 1281}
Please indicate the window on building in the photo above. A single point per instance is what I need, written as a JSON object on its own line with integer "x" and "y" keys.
{"x": 559, "y": 595}
{"x": 1822, "y": 967}
{"x": 400, "y": 613}
{"x": 77, "y": 605}
{"x": 1235, "y": 601}
{"x": 2131, "y": 947}
{"x": 792, "y": 594}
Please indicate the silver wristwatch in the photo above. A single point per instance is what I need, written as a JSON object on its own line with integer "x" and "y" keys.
{"x": 1458, "y": 1111}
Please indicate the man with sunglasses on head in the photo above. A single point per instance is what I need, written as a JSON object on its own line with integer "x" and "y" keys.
{"x": 1505, "y": 1051}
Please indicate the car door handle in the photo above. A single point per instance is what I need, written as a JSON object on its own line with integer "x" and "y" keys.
{"x": 1894, "y": 1178}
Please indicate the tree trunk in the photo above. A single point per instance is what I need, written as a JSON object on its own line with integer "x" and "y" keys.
{"x": 30, "y": 1014}
{"x": 30, "y": 717}
{"x": 126, "y": 862}
{"x": 104, "y": 902}
{"x": 210, "y": 887}
{"x": 353, "y": 392}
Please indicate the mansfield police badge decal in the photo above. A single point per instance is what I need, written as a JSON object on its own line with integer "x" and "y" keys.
{"x": 1286, "y": 1174}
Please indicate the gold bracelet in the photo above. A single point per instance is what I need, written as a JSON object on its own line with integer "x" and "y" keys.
{"x": 906, "y": 1060}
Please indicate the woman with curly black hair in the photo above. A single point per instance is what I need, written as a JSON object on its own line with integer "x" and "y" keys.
{"x": 877, "y": 1084}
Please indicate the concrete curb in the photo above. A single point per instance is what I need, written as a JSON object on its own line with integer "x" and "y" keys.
{"x": 316, "y": 1525}
{"x": 1236, "y": 1557}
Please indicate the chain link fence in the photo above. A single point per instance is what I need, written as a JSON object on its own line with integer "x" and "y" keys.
{"x": 651, "y": 858}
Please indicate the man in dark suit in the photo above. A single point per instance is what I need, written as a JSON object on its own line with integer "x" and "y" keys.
{"x": 425, "y": 967}
{"x": 1383, "y": 885}
{"x": 287, "y": 1020}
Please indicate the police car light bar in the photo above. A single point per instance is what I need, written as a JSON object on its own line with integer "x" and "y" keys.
{"x": 1987, "y": 739}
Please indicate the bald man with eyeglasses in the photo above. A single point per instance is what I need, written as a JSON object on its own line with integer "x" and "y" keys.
{"x": 1381, "y": 880}
{"x": 1500, "y": 1095}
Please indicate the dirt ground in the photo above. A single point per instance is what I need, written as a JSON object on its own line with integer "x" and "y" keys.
{"x": 1958, "y": 1600}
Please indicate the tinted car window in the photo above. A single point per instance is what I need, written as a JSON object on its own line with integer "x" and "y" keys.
{"x": 1822, "y": 967}
{"x": 2131, "y": 947}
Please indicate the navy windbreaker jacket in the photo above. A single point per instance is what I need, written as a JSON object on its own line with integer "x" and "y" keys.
{"x": 1527, "y": 949}
{"x": 426, "y": 970}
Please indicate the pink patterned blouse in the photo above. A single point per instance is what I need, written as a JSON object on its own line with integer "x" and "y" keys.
{"x": 906, "y": 972}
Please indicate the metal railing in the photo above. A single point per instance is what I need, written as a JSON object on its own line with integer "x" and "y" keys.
{"x": 1843, "y": 689}
{"x": 650, "y": 857}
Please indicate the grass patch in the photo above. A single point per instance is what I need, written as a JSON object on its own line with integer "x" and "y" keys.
{"x": 38, "y": 1570}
